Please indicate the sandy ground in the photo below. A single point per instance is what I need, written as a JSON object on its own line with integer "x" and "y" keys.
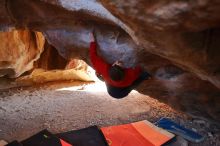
{"x": 61, "y": 107}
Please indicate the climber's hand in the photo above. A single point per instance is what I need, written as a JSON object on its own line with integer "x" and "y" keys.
{"x": 92, "y": 37}
{"x": 119, "y": 63}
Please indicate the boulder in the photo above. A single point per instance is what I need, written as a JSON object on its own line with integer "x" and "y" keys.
{"x": 176, "y": 41}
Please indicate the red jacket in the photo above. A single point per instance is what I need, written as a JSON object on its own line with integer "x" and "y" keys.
{"x": 101, "y": 67}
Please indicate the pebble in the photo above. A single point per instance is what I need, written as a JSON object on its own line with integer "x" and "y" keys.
{"x": 210, "y": 134}
{"x": 193, "y": 129}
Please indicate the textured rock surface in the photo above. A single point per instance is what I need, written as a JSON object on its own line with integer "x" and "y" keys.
{"x": 43, "y": 76}
{"x": 50, "y": 59}
{"x": 183, "y": 32}
{"x": 24, "y": 51}
{"x": 74, "y": 43}
{"x": 176, "y": 41}
{"x": 18, "y": 51}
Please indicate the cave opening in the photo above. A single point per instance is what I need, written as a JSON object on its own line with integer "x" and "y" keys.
{"x": 46, "y": 78}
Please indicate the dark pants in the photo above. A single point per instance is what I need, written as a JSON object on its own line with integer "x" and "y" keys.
{"x": 118, "y": 92}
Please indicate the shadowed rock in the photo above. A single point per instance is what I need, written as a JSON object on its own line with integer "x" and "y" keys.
{"x": 176, "y": 41}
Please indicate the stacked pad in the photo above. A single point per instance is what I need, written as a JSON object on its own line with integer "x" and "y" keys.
{"x": 91, "y": 136}
{"x": 141, "y": 133}
{"x": 44, "y": 138}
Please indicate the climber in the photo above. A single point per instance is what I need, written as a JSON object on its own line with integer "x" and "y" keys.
{"x": 119, "y": 81}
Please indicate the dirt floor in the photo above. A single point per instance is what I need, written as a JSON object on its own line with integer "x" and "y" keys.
{"x": 65, "y": 106}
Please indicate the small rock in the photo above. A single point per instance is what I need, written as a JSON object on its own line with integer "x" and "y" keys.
{"x": 210, "y": 134}
{"x": 47, "y": 125}
{"x": 193, "y": 129}
{"x": 1, "y": 108}
{"x": 17, "y": 110}
{"x": 26, "y": 92}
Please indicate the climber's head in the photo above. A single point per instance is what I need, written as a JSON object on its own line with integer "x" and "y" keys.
{"x": 116, "y": 72}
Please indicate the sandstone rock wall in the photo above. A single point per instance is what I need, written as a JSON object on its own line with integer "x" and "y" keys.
{"x": 18, "y": 51}
{"x": 50, "y": 59}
